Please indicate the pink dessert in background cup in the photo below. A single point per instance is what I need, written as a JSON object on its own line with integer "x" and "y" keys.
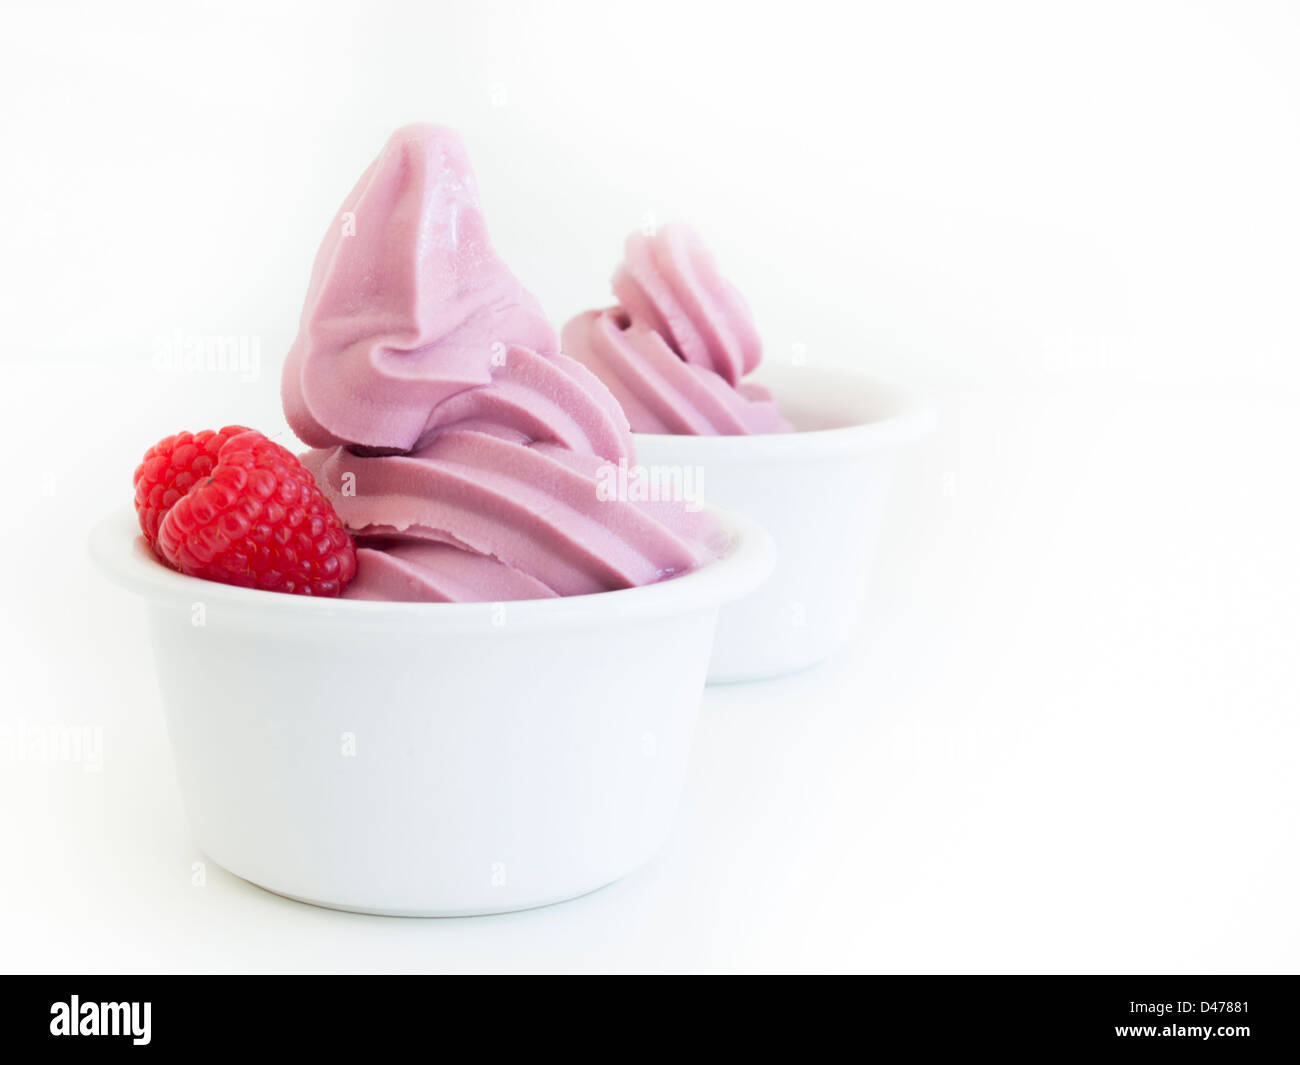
{"x": 676, "y": 348}
{"x": 809, "y": 453}
{"x": 498, "y": 711}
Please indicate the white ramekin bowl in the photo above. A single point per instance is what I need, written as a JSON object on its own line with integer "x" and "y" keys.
{"x": 430, "y": 758}
{"x": 822, "y": 494}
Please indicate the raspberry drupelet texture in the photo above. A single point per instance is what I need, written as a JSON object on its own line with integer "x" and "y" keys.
{"x": 171, "y": 468}
{"x": 255, "y": 519}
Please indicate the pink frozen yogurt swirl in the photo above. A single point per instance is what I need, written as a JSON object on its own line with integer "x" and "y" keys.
{"x": 464, "y": 453}
{"x": 408, "y": 303}
{"x": 676, "y": 347}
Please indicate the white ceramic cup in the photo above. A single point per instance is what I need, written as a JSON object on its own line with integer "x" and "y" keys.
{"x": 431, "y": 758}
{"x": 821, "y": 492}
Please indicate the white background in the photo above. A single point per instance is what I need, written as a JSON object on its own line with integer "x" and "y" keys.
{"x": 1067, "y": 740}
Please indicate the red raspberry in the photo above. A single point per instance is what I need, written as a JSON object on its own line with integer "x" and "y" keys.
{"x": 171, "y": 468}
{"x": 259, "y": 521}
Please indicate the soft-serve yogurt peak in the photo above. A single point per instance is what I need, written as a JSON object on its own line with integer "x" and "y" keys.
{"x": 407, "y": 304}
{"x": 463, "y": 452}
{"x": 676, "y": 347}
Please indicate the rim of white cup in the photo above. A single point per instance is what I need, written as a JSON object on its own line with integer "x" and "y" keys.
{"x": 120, "y": 552}
{"x": 896, "y": 415}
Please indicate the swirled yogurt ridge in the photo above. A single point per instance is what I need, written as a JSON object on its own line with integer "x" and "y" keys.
{"x": 463, "y": 452}
{"x": 676, "y": 347}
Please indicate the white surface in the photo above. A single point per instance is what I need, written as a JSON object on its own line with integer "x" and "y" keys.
{"x": 823, "y": 495}
{"x": 1072, "y": 743}
{"x": 430, "y": 759}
